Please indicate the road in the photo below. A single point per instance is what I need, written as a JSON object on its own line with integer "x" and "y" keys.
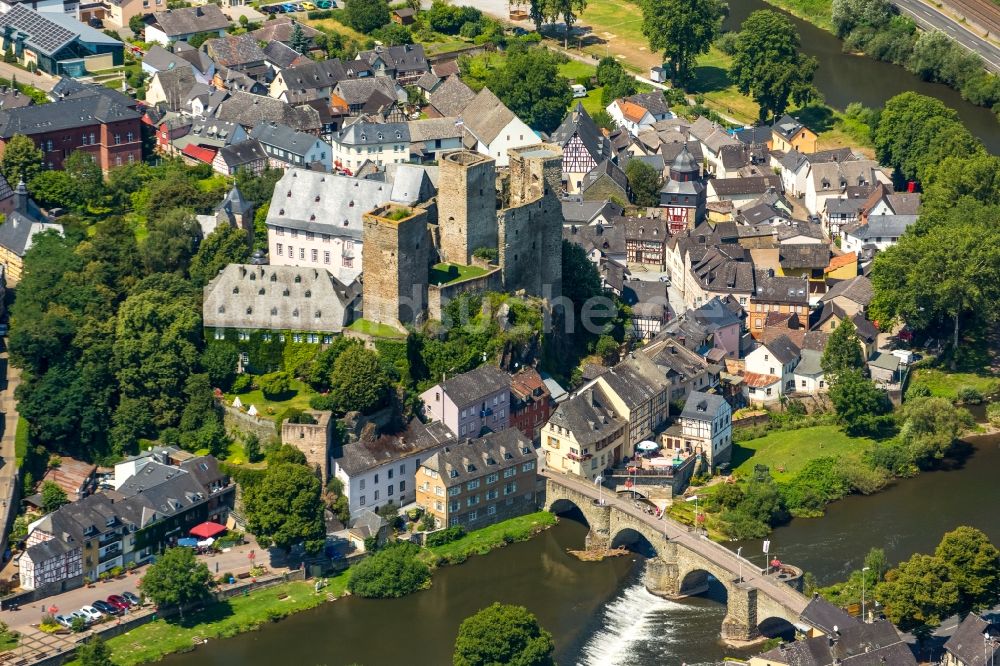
{"x": 697, "y": 543}
{"x": 43, "y": 81}
{"x": 930, "y": 18}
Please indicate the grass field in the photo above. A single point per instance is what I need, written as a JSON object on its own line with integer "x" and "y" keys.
{"x": 20, "y": 438}
{"x": 483, "y": 541}
{"x": 445, "y": 273}
{"x": 375, "y": 329}
{"x": 297, "y": 397}
{"x": 786, "y": 452}
{"x": 711, "y": 79}
{"x": 946, "y": 384}
{"x": 237, "y": 615}
{"x": 816, "y": 12}
{"x": 331, "y": 24}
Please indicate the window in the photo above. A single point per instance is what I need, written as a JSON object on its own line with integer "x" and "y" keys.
{"x": 492, "y": 494}
{"x": 376, "y": 495}
{"x": 528, "y": 466}
{"x": 326, "y": 256}
{"x": 130, "y": 137}
{"x": 473, "y": 515}
{"x": 389, "y": 491}
{"x": 314, "y": 255}
{"x": 280, "y": 249}
{"x": 362, "y": 500}
{"x": 118, "y": 138}
{"x": 348, "y": 262}
{"x": 454, "y": 490}
{"x": 454, "y": 506}
{"x": 510, "y": 488}
{"x": 390, "y": 473}
{"x": 492, "y": 478}
{"x": 439, "y": 491}
{"x": 402, "y": 486}
{"x": 472, "y": 485}
{"x": 454, "y": 522}
{"x": 362, "y": 484}
{"x": 509, "y": 472}
{"x": 472, "y": 501}
{"x": 302, "y": 253}
{"x": 491, "y": 510}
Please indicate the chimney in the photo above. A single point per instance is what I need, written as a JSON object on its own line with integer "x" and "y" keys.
{"x": 21, "y": 198}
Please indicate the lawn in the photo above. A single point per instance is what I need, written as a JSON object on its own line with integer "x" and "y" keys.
{"x": 375, "y": 329}
{"x": 711, "y": 79}
{"x": 574, "y": 69}
{"x": 298, "y": 397}
{"x": 20, "y": 437}
{"x": 445, "y": 273}
{"x": 786, "y": 452}
{"x": 947, "y": 384}
{"x": 153, "y": 641}
{"x": 483, "y": 541}
{"x": 333, "y": 25}
{"x": 816, "y": 12}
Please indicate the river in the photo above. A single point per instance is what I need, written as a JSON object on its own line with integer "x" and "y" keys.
{"x": 843, "y": 78}
{"x": 599, "y": 613}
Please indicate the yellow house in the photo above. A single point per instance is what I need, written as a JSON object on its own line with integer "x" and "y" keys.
{"x": 585, "y": 435}
{"x": 843, "y": 267}
{"x": 789, "y": 134}
{"x": 17, "y": 232}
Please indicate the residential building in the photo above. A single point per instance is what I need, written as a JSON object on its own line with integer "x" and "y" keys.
{"x": 492, "y": 129}
{"x": 171, "y": 89}
{"x": 830, "y": 180}
{"x": 362, "y": 141}
{"x": 577, "y": 212}
{"x": 583, "y": 144}
{"x": 405, "y": 63}
{"x": 286, "y": 147}
{"x": 630, "y": 116}
{"x": 650, "y": 308}
{"x": 839, "y": 213}
{"x": 260, "y": 309}
{"x": 640, "y": 393}
{"x": 248, "y": 155}
{"x": 776, "y": 294}
{"x": 57, "y": 44}
{"x": 249, "y": 109}
{"x": 586, "y": 434}
{"x": 861, "y": 643}
{"x": 605, "y": 182}
{"x": 685, "y": 370}
{"x": 880, "y": 231}
{"x": 712, "y": 138}
{"x": 741, "y": 191}
{"x": 788, "y": 133}
{"x": 159, "y": 59}
{"x": 808, "y": 376}
{"x": 18, "y": 231}
{"x": 478, "y": 482}
{"x": 239, "y": 53}
{"x": 472, "y": 402}
{"x": 173, "y": 25}
{"x": 366, "y": 94}
{"x": 76, "y": 477}
{"x": 769, "y": 368}
{"x": 715, "y": 325}
{"x": 976, "y": 642}
{"x": 378, "y": 468}
{"x": 281, "y": 30}
{"x": 97, "y": 122}
{"x": 430, "y": 138}
{"x": 704, "y": 427}
{"x": 449, "y": 98}
{"x": 530, "y": 402}
{"x": 851, "y": 296}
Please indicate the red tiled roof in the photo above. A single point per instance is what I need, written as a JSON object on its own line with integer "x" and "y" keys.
{"x": 757, "y": 380}
{"x": 199, "y": 153}
{"x": 842, "y": 260}
{"x": 631, "y": 111}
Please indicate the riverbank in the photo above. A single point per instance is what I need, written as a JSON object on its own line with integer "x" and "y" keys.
{"x": 482, "y": 541}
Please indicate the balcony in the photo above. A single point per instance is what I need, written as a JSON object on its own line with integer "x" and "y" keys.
{"x": 111, "y": 554}
{"x": 579, "y": 457}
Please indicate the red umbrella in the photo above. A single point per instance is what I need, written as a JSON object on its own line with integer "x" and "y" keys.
{"x": 53, "y": 609}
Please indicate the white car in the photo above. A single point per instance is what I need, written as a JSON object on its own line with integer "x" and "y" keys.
{"x": 79, "y": 614}
{"x": 578, "y": 91}
{"x": 65, "y": 620}
{"x": 91, "y": 613}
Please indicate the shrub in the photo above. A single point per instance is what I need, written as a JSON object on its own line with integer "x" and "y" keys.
{"x": 969, "y": 395}
{"x": 993, "y": 414}
{"x": 275, "y": 384}
{"x": 242, "y": 383}
{"x": 394, "y": 571}
{"x": 487, "y": 253}
{"x": 428, "y": 523}
{"x": 453, "y": 533}
{"x": 918, "y": 391}
{"x": 78, "y": 624}
{"x": 323, "y": 402}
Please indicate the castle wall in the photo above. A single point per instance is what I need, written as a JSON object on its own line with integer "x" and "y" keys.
{"x": 466, "y": 205}
{"x": 395, "y": 266}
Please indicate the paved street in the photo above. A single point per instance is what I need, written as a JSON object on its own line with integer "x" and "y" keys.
{"x": 40, "y": 81}
{"x": 930, "y": 18}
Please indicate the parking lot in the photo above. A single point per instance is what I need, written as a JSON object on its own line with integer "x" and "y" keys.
{"x": 292, "y": 7}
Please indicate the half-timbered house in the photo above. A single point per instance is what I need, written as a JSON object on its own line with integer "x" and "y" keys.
{"x": 584, "y": 147}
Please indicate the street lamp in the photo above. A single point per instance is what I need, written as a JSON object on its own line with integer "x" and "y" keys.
{"x": 740, "y": 560}
{"x": 864, "y": 580}
{"x": 600, "y": 489}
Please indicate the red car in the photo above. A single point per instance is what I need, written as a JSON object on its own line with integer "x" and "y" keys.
{"x": 118, "y": 602}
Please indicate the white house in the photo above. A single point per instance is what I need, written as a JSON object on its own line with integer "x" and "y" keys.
{"x": 181, "y": 24}
{"x": 882, "y": 231}
{"x": 630, "y": 116}
{"x": 831, "y": 180}
{"x": 382, "y": 470}
{"x": 808, "y": 375}
{"x": 287, "y": 147}
{"x": 379, "y": 143}
{"x": 492, "y": 129}
{"x": 707, "y": 422}
{"x": 769, "y": 370}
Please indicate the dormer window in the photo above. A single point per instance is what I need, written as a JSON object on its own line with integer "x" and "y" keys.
{"x": 285, "y": 292}
{"x": 308, "y": 293}
{"x": 298, "y": 279}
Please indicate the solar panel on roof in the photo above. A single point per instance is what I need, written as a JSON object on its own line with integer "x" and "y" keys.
{"x": 40, "y": 31}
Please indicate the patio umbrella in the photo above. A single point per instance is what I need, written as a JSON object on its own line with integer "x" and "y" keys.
{"x": 648, "y": 446}
{"x": 53, "y": 609}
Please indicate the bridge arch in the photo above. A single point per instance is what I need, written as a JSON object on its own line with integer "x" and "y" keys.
{"x": 564, "y": 505}
{"x": 776, "y": 627}
{"x": 634, "y": 540}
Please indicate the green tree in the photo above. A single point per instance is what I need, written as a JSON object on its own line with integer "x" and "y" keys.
{"x": 607, "y": 349}
{"x": 54, "y": 189}
{"x": 275, "y": 384}
{"x": 391, "y": 572}
{"x": 931, "y": 427}
{"x": 973, "y": 565}
{"x": 251, "y": 448}
{"x": 847, "y": 15}
{"x": 366, "y": 16}
{"x": 644, "y": 182}
{"x": 53, "y": 497}
{"x": 843, "y": 351}
{"x": 393, "y": 34}
{"x": 568, "y": 11}
{"x": 286, "y": 508}
{"x": 503, "y": 634}
{"x": 219, "y": 360}
{"x": 176, "y": 578}
{"x": 358, "y": 381}
{"x": 858, "y": 402}
{"x": 137, "y": 25}
{"x": 94, "y": 652}
{"x": 917, "y": 595}
{"x": 299, "y": 41}
{"x": 615, "y": 80}
{"x": 172, "y": 241}
{"x": 21, "y": 160}
{"x": 531, "y": 86}
{"x": 225, "y": 245}
{"x": 769, "y": 66}
{"x": 197, "y": 40}
{"x": 682, "y": 30}
{"x": 87, "y": 178}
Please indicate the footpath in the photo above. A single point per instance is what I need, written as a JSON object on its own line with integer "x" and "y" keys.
{"x": 8, "y": 451}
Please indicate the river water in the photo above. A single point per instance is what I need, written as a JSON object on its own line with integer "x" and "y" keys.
{"x": 599, "y": 612}
{"x": 843, "y": 78}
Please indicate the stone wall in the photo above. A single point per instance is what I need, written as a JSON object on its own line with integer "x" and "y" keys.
{"x": 313, "y": 440}
{"x": 438, "y": 296}
{"x": 239, "y": 423}
{"x": 466, "y": 204}
{"x": 395, "y": 265}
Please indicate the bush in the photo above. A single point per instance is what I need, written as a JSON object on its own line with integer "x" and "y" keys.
{"x": 323, "y": 402}
{"x": 453, "y": 533}
{"x": 487, "y": 253}
{"x": 969, "y": 395}
{"x": 428, "y": 522}
{"x": 918, "y": 391}
{"x": 242, "y": 383}
{"x": 319, "y": 14}
{"x": 394, "y": 571}
{"x": 727, "y": 42}
{"x": 78, "y": 624}
{"x": 275, "y": 384}
{"x": 993, "y": 414}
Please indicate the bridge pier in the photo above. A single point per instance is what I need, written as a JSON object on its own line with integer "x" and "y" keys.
{"x": 661, "y": 578}
{"x": 599, "y": 517}
{"x": 740, "y": 624}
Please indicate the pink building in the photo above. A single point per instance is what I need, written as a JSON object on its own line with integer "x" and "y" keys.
{"x": 471, "y": 403}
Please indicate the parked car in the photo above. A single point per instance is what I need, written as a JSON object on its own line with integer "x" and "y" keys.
{"x": 106, "y": 608}
{"x": 308, "y": 6}
{"x": 65, "y": 620}
{"x": 80, "y": 614}
{"x": 298, "y": 6}
{"x": 118, "y": 602}
{"x": 92, "y": 614}
{"x": 132, "y": 599}
{"x": 323, "y": 4}
{"x": 288, "y": 7}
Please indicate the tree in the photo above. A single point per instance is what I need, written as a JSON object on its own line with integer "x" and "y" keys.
{"x": 973, "y": 565}
{"x": 53, "y": 188}
{"x": 607, "y": 349}
{"x": 53, "y": 497}
{"x": 286, "y": 508}
{"x": 503, "y": 634}
{"x": 531, "y": 86}
{"x": 358, "y": 381}
{"x": 87, "y": 178}
{"x": 768, "y": 65}
{"x": 393, "y": 34}
{"x": 251, "y": 448}
{"x": 858, "y": 402}
{"x": 918, "y": 595}
{"x": 176, "y": 578}
{"x": 537, "y": 13}
{"x": 94, "y": 652}
{"x": 275, "y": 384}
{"x": 21, "y": 160}
{"x": 172, "y": 240}
{"x": 682, "y": 30}
{"x": 930, "y": 428}
{"x": 644, "y": 182}
{"x": 391, "y": 572}
{"x": 197, "y": 40}
{"x": 843, "y": 351}
{"x": 567, "y": 10}
{"x": 366, "y": 16}
{"x": 846, "y": 15}
{"x": 299, "y": 41}
{"x": 225, "y": 245}
{"x": 615, "y": 81}
{"x": 219, "y": 360}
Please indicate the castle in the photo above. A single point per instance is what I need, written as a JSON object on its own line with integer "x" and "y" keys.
{"x": 515, "y": 211}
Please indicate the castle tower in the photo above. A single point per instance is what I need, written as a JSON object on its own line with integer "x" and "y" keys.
{"x": 395, "y": 265}
{"x": 535, "y": 171}
{"x": 466, "y": 205}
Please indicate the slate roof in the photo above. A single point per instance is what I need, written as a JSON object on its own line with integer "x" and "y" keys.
{"x": 739, "y": 186}
{"x": 654, "y": 102}
{"x": 881, "y": 226}
{"x": 779, "y": 289}
{"x": 242, "y": 153}
{"x": 751, "y": 135}
{"x": 280, "y": 30}
{"x": 365, "y": 454}
{"x": 854, "y": 645}
{"x": 579, "y": 123}
{"x": 720, "y": 270}
{"x": 843, "y": 206}
{"x": 234, "y": 50}
{"x": 472, "y": 458}
{"x": 191, "y": 20}
{"x": 968, "y": 644}
{"x": 282, "y": 56}
{"x": 403, "y": 58}
{"x": 427, "y": 81}
{"x": 609, "y": 169}
{"x": 161, "y": 59}
{"x": 474, "y": 385}
{"x": 904, "y": 203}
{"x": 429, "y": 129}
{"x": 836, "y": 176}
{"x": 589, "y": 415}
{"x": 607, "y": 239}
{"x": 486, "y": 116}
{"x": 809, "y": 365}
{"x": 66, "y": 114}
{"x": 358, "y": 91}
{"x": 310, "y": 75}
{"x": 711, "y": 135}
{"x": 857, "y": 289}
{"x": 198, "y": 59}
{"x": 714, "y": 315}
{"x": 648, "y": 298}
{"x": 176, "y": 84}
{"x": 18, "y": 230}
{"x": 807, "y": 255}
{"x": 284, "y": 137}
{"x": 248, "y": 109}
{"x": 783, "y": 349}
{"x": 451, "y": 97}
{"x": 363, "y": 133}
{"x": 578, "y": 211}
{"x": 761, "y": 214}
{"x": 787, "y": 127}
{"x": 673, "y": 359}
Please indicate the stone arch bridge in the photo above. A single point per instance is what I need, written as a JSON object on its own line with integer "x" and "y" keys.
{"x": 683, "y": 561}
